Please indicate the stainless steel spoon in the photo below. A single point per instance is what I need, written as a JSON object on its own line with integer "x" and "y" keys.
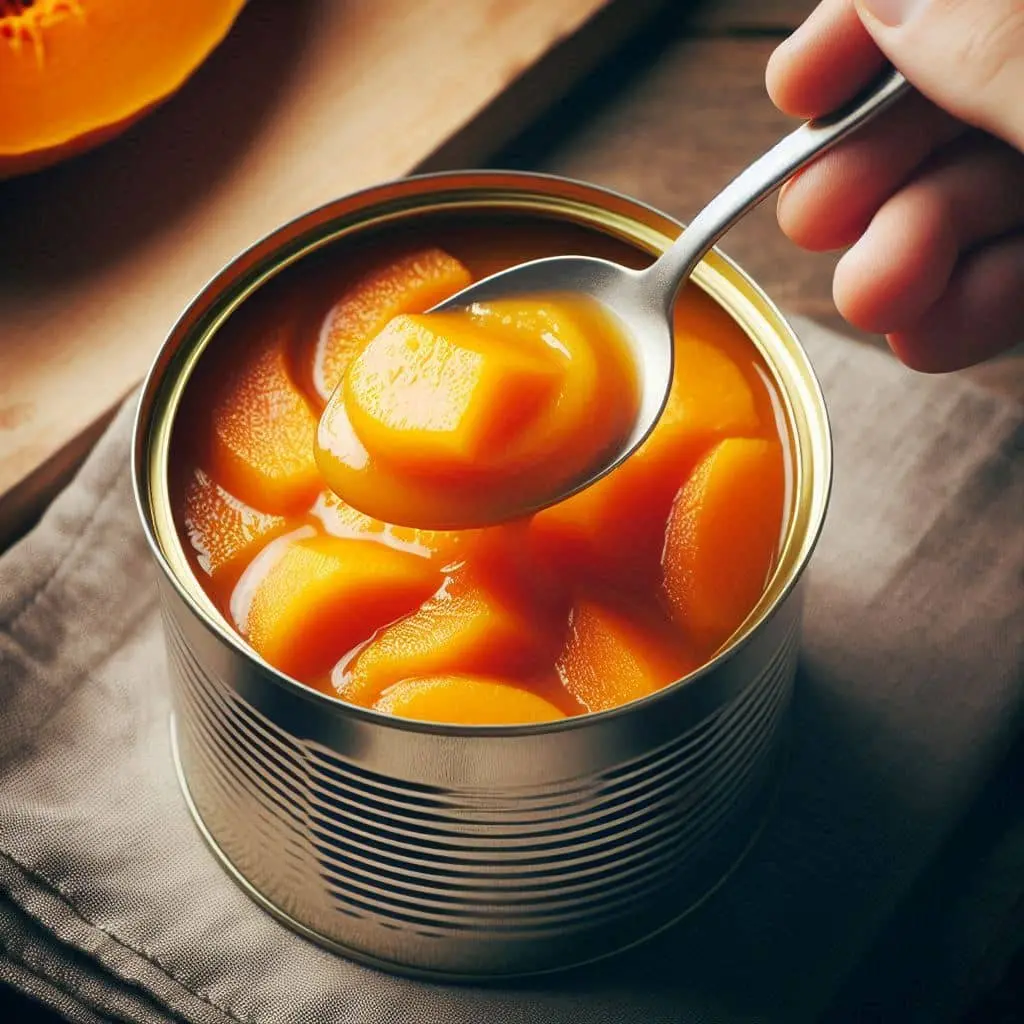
{"x": 642, "y": 300}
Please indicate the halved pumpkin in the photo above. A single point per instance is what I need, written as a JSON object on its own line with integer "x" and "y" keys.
{"x": 74, "y": 73}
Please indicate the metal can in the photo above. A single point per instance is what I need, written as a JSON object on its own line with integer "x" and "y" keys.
{"x": 478, "y": 852}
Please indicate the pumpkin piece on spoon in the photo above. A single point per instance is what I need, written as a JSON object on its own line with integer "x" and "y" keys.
{"x": 435, "y": 394}
{"x": 597, "y": 400}
{"x": 470, "y": 417}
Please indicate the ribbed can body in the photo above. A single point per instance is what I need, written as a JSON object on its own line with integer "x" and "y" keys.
{"x": 468, "y": 852}
{"x": 465, "y": 855}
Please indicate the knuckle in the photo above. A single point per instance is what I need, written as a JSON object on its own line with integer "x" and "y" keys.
{"x": 991, "y": 42}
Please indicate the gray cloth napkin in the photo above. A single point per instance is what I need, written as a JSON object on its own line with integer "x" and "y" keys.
{"x": 910, "y": 692}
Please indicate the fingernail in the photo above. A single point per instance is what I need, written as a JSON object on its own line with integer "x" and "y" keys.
{"x": 892, "y": 12}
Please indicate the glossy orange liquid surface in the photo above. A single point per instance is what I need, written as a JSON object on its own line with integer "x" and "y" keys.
{"x": 602, "y": 599}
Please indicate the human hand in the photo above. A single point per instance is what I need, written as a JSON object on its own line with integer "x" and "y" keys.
{"x": 930, "y": 196}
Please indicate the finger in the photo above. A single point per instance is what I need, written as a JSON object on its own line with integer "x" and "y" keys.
{"x": 824, "y": 62}
{"x": 965, "y": 55}
{"x": 902, "y": 265}
{"x": 980, "y": 315}
{"x": 831, "y": 203}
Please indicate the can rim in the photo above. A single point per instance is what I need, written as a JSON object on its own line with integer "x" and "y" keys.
{"x": 530, "y": 185}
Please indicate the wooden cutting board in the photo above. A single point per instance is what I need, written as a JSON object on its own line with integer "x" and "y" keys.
{"x": 305, "y": 101}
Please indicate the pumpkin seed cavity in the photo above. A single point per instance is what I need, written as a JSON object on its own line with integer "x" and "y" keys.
{"x": 23, "y": 22}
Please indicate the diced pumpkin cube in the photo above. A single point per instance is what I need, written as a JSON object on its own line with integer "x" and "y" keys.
{"x": 438, "y": 393}
{"x": 223, "y": 531}
{"x": 466, "y": 700}
{"x": 722, "y": 537}
{"x": 459, "y": 419}
{"x": 612, "y": 656}
{"x": 411, "y": 284}
{"x": 469, "y": 626}
{"x": 324, "y": 595}
{"x": 262, "y": 430}
{"x": 614, "y": 530}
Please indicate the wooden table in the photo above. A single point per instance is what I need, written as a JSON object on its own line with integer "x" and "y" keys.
{"x": 668, "y": 119}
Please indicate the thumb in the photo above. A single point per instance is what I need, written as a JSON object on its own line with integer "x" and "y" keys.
{"x": 967, "y": 56}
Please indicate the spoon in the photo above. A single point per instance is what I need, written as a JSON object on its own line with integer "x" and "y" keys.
{"x": 642, "y": 300}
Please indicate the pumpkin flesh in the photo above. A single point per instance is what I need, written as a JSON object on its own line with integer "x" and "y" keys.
{"x": 84, "y": 70}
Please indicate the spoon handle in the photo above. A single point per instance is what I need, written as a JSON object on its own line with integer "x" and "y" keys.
{"x": 763, "y": 177}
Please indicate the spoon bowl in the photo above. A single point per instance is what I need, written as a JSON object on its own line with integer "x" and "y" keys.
{"x": 642, "y": 301}
{"x": 625, "y": 294}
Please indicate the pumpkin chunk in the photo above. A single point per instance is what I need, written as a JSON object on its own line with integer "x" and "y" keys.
{"x": 411, "y": 284}
{"x": 611, "y": 657}
{"x": 438, "y": 394}
{"x": 323, "y": 595}
{"x": 468, "y": 626}
{"x": 454, "y": 420}
{"x": 466, "y": 700}
{"x": 224, "y": 532}
{"x": 613, "y": 530}
{"x": 722, "y": 537}
{"x": 596, "y": 372}
{"x": 74, "y": 73}
{"x": 262, "y": 431}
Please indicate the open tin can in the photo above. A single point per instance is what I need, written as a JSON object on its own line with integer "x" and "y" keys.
{"x": 477, "y": 852}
